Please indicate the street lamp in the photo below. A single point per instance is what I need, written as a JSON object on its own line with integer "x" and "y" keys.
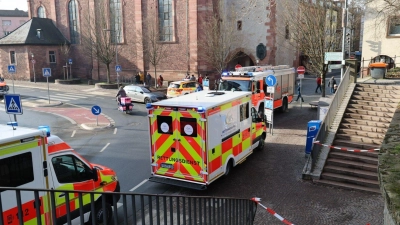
{"x": 33, "y": 67}
{"x": 116, "y": 53}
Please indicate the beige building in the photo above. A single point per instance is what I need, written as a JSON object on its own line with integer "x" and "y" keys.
{"x": 380, "y": 37}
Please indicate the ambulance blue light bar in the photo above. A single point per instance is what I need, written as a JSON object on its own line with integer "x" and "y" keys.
{"x": 225, "y": 74}
{"x": 148, "y": 106}
{"x": 201, "y": 109}
{"x": 45, "y": 128}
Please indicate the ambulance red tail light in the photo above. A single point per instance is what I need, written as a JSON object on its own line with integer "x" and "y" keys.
{"x": 179, "y": 90}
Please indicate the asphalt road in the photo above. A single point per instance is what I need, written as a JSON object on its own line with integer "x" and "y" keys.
{"x": 273, "y": 174}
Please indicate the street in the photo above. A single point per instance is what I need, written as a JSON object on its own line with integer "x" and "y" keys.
{"x": 273, "y": 174}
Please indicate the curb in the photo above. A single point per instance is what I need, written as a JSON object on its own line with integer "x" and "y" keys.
{"x": 93, "y": 126}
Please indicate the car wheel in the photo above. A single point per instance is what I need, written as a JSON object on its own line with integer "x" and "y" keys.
{"x": 147, "y": 100}
{"x": 99, "y": 214}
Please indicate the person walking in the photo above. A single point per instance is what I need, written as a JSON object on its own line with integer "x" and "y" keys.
{"x": 299, "y": 93}
{"x": 331, "y": 84}
{"x": 198, "y": 87}
{"x": 137, "y": 78}
{"x": 200, "y": 79}
{"x": 192, "y": 78}
{"x": 160, "y": 81}
{"x": 318, "y": 84}
{"x": 148, "y": 79}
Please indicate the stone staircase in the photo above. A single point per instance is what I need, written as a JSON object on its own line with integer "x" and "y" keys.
{"x": 363, "y": 126}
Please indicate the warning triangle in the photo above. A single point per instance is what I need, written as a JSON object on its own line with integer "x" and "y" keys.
{"x": 13, "y": 106}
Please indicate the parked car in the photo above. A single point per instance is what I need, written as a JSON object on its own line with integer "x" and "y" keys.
{"x": 140, "y": 93}
{"x": 178, "y": 88}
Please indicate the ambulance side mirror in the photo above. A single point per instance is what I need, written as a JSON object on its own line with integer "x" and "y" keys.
{"x": 95, "y": 174}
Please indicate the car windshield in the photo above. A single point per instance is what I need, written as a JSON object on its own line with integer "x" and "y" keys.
{"x": 172, "y": 85}
{"x": 235, "y": 85}
{"x": 145, "y": 90}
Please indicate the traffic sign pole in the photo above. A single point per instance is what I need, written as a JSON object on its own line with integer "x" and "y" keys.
{"x": 12, "y": 70}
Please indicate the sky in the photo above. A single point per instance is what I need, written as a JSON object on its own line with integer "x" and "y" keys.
{"x": 12, "y": 4}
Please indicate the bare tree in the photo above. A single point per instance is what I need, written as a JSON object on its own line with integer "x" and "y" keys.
{"x": 313, "y": 31}
{"x": 65, "y": 49}
{"x": 154, "y": 50}
{"x": 97, "y": 38}
{"x": 219, "y": 37}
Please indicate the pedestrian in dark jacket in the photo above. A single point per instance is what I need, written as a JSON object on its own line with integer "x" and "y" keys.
{"x": 299, "y": 93}
{"x": 198, "y": 87}
{"x": 137, "y": 78}
{"x": 148, "y": 79}
{"x": 331, "y": 84}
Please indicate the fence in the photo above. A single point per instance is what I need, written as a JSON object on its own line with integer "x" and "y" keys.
{"x": 139, "y": 209}
{"x": 330, "y": 115}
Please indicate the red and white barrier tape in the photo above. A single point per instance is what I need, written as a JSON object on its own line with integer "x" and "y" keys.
{"x": 345, "y": 149}
{"x": 272, "y": 212}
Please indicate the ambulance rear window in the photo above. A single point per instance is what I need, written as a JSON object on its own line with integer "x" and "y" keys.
{"x": 16, "y": 170}
{"x": 164, "y": 124}
{"x": 188, "y": 127}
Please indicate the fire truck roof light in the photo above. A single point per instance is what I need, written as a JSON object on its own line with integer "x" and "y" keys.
{"x": 148, "y": 106}
{"x": 45, "y": 128}
{"x": 201, "y": 109}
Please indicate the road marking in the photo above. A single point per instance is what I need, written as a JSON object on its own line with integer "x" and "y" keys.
{"x": 137, "y": 186}
{"x": 105, "y": 147}
{"x": 115, "y": 130}
{"x": 73, "y": 133}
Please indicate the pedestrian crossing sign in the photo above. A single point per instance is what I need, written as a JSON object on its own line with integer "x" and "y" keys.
{"x": 13, "y": 104}
{"x": 46, "y": 72}
{"x": 118, "y": 68}
{"x": 11, "y": 69}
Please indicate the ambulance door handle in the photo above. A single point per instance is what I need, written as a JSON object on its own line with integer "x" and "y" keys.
{"x": 248, "y": 129}
{"x": 172, "y": 149}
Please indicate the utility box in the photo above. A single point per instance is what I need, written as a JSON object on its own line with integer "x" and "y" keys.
{"x": 377, "y": 70}
{"x": 312, "y": 131}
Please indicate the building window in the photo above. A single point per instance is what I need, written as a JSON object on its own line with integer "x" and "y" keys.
{"x": 7, "y": 33}
{"x": 6, "y": 22}
{"x": 73, "y": 22}
{"x": 52, "y": 56}
{"x": 12, "y": 57}
{"x": 239, "y": 25}
{"x": 394, "y": 26}
{"x": 165, "y": 18}
{"x": 116, "y": 20}
{"x": 41, "y": 12}
{"x": 16, "y": 170}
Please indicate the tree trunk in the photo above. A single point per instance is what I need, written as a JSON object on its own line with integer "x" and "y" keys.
{"x": 323, "y": 75}
{"x": 108, "y": 73}
{"x": 155, "y": 77}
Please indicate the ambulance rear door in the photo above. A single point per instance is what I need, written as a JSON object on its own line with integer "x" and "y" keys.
{"x": 177, "y": 144}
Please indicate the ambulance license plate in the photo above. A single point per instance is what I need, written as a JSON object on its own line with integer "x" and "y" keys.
{"x": 167, "y": 166}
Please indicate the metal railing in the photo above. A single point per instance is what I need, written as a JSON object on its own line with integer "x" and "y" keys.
{"x": 125, "y": 208}
{"x": 330, "y": 115}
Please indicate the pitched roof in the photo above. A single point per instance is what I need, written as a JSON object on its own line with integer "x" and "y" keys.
{"x": 26, "y": 34}
{"x": 13, "y": 13}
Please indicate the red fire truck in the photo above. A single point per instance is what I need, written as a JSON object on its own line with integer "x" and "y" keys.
{"x": 252, "y": 78}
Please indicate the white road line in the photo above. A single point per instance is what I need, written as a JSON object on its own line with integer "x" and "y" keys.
{"x": 73, "y": 133}
{"x": 105, "y": 147}
{"x": 141, "y": 183}
{"x": 115, "y": 130}
{"x": 72, "y": 95}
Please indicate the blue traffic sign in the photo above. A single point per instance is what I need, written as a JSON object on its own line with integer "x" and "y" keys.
{"x": 13, "y": 104}
{"x": 96, "y": 110}
{"x": 12, "y": 69}
{"x": 69, "y": 61}
{"x": 269, "y": 104}
{"x": 118, "y": 68}
{"x": 270, "y": 80}
{"x": 46, "y": 72}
